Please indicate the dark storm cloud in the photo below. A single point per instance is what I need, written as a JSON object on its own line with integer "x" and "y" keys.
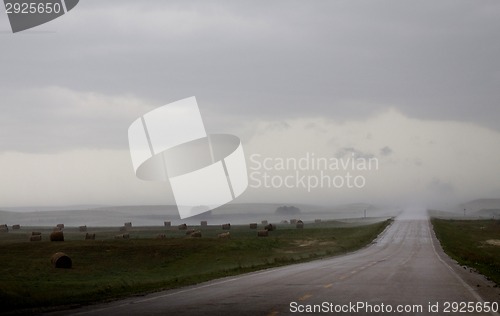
{"x": 271, "y": 60}
{"x": 385, "y": 151}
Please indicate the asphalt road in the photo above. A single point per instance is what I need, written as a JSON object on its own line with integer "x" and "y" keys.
{"x": 404, "y": 268}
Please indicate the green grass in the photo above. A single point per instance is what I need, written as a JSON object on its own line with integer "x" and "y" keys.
{"x": 466, "y": 242}
{"x": 107, "y": 269}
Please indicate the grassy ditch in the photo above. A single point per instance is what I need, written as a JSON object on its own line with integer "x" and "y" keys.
{"x": 108, "y": 268}
{"x": 475, "y": 243}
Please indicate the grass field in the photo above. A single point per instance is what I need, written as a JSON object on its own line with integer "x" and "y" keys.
{"x": 107, "y": 268}
{"x": 475, "y": 243}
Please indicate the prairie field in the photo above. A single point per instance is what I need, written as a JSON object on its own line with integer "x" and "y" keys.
{"x": 474, "y": 243}
{"x": 107, "y": 268}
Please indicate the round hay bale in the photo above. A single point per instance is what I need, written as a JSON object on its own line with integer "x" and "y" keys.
{"x": 36, "y": 238}
{"x": 4, "y": 228}
{"x": 16, "y": 227}
{"x": 57, "y": 236}
{"x": 262, "y": 233}
{"x": 204, "y": 223}
{"x": 61, "y": 260}
{"x": 196, "y": 234}
{"x": 253, "y": 226}
{"x": 270, "y": 227}
{"x": 182, "y": 227}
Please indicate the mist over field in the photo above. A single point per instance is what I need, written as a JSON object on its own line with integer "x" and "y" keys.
{"x": 155, "y": 215}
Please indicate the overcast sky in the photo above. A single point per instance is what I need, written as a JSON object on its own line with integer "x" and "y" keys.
{"x": 414, "y": 83}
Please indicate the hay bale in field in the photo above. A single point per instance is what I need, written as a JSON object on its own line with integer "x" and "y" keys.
{"x": 122, "y": 236}
{"x": 196, "y": 234}
{"x": 161, "y": 236}
{"x": 82, "y": 229}
{"x": 16, "y": 227}
{"x": 317, "y": 221}
{"x": 128, "y": 225}
{"x": 4, "y": 228}
{"x": 264, "y": 222}
{"x": 61, "y": 260}
{"x": 224, "y": 235}
{"x": 167, "y": 224}
{"x": 36, "y": 238}
{"x": 182, "y": 227}
{"x": 262, "y": 233}
{"x": 293, "y": 221}
{"x": 253, "y": 226}
{"x": 89, "y": 236}
{"x": 204, "y": 223}
{"x": 57, "y": 236}
{"x": 270, "y": 227}
{"x": 61, "y": 226}
{"x": 300, "y": 224}
{"x": 190, "y": 231}
{"x": 226, "y": 226}
{"x": 35, "y": 233}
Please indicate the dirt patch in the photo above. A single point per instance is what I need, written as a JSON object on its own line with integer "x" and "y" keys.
{"x": 305, "y": 243}
{"x": 493, "y": 242}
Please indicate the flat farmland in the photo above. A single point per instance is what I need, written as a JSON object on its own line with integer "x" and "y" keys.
{"x": 108, "y": 268}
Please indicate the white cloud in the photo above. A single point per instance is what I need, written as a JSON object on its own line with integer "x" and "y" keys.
{"x": 456, "y": 160}
{"x": 76, "y": 177}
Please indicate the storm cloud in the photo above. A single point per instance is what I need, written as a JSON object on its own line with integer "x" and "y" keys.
{"x": 273, "y": 70}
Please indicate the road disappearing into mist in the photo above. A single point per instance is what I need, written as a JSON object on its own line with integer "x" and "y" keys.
{"x": 404, "y": 270}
